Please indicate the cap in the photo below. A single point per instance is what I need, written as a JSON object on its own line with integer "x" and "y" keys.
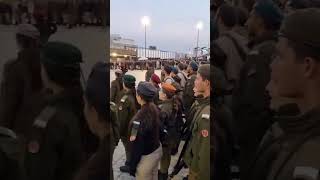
{"x": 61, "y": 54}
{"x": 147, "y": 90}
{"x": 128, "y": 79}
{"x": 155, "y": 78}
{"x": 168, "y": 87}
{"x": 28, "y": 30}
{"x": 269, "y": 12}
{"x": 96, "y": 89}
{"x": 303, "y": 27}
{"x": 194, "y": 65}
{"x": 175, "y": 70}
{"x": 204, "y": 71}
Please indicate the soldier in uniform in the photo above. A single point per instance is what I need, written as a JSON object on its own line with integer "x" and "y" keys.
{"x": 10, "y": 156}
{"x": 167, "y": 71}
{"x": 188, "y": 94}
{"x": 116, "y": 85}
{"x": 250, "y": 100}
{"x": 53, "y": 148}
{"x": 197, "y": 155}
{"x": 146, "y": 150}
{"x": 17, "y": 88}
{"x": 150, "y": 71}
{"x": 127, "y": 108}
{"x": 99, "y": 166}
{"x": 155, "y": 80}
{"x": 289, "y": 150}
{"x": 167, "y": 118}
{"x": 222, "y": 138}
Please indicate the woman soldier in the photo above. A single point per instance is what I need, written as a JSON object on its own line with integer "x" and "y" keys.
{"x": 146, "y": 149}
{"x": 127, "y": 108}
{"x": 95, "y": 111}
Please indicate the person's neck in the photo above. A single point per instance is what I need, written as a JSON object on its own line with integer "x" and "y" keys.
{"x": 309, "y": 101}
{"x": 102, "y": 133}
{"x": 206, "y": 94}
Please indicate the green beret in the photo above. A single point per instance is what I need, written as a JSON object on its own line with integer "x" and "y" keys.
{"x": 204, "y": 71}
{"x": 61, "y": 54}
{"x": 303, "y": 27}
{"x": 128, "y": 79}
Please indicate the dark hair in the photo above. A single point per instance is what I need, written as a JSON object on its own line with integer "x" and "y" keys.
{"x": 92, "y": 100}
{"x": 133, "y": 92}
{"x": 303, "y": 51}
{"x": 27, "y": 42}
{"x": 149, "y": 115}
{"x": 145, "y": 98}
{"x": 168, "y": 94}
{"x": 228, "y": 15}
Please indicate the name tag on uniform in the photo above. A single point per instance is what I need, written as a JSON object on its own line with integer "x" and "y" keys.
{"x": 306, "y": 172}
{"x": 205, "y": 116}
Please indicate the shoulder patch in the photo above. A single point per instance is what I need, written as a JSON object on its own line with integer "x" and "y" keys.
{"x": 204, "y": 133}
{"x": 124, "y": 98}
{"x": 46, "y": 114}
{"x": 205, "y": 116}
{"x": 306, "y": 172}
{"x": 254, "y": 52}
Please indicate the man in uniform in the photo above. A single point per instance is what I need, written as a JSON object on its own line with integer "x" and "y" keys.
{"x": 188, "y": 94}
{"x": 290, "y": 148}
{"x": 54, "y": 147}
{"x": 250, "y": 100}
{"x": 167, "y": 74}
{"x": 197, "y": 155}
{"x": 150, "y": 71}
{"x": 127, "y": 108}
{"x": 167, "y": 118}
{"x": 116, "y": 85}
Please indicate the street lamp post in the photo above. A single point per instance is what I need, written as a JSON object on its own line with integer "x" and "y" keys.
{"x": 145, "y": 21}
{"x": 199, "y": 27}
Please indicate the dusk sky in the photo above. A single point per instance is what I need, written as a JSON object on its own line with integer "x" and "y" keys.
{"x": 173, "y": 22}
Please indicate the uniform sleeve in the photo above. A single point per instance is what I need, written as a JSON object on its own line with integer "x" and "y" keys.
{"x": 204, "y": 151}
{"x": 11, "y": 94}
{"x": 136, "y": 152}
{"x": 65, "y": 138}
{"x": 113, "y": 92}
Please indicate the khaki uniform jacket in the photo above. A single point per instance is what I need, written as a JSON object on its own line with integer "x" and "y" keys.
{"x": 290, "y": 149}
{"x": 197, "y": 156}
{"x": 126, "y": 110}
{"x": 53, "y": 145}
{"x": 17, "y": 91}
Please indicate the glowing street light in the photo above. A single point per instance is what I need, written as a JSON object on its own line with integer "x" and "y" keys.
{"x": 145, "y": 22}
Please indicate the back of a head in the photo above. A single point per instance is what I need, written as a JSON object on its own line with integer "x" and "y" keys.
{"x": 242, "y": 16}
{"x": 228, "y": 15}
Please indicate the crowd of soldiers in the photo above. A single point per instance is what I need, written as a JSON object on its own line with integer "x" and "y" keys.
{"x": 152, "y": 120}
{"x": 67, "y": 13}
{"x": 266, "y": 89}
{"x": 50, "y": 126}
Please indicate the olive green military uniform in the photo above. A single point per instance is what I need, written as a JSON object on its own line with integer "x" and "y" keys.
{"x": 149, "y": 73}
{"x": 53, "y": 148}
{"x": 126, "y": 110}
{"x": 250, "y": 100}
{"x": 10, "y": 156}
{"x": 188, "y": 94}
{"x": 197, "y": 155}
{"x": 166, "y": 115}
{"x": 115, "y": 89}
{"x": 16, "y": 89}
{"x": 115, "y": 134}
